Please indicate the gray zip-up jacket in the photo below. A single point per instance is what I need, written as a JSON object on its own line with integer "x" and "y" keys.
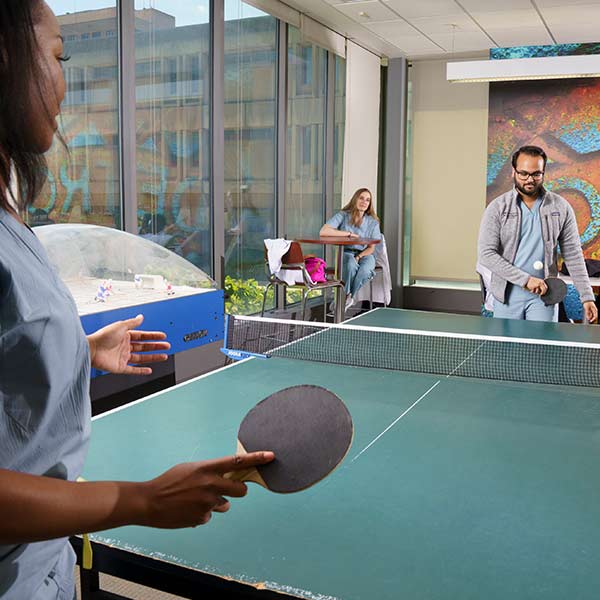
{"x": 499, "y": 240}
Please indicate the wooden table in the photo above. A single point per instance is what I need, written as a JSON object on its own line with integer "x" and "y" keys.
{"x": 339, "y": 242}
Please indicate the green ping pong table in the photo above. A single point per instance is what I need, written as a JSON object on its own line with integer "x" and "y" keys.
{"x": 454, "y": 488}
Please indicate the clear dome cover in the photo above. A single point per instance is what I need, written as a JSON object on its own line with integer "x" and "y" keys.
{"x": 107, "y": 268}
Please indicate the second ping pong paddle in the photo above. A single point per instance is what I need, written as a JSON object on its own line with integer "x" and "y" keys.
{"x": 557, "y": 291}
{"x": 307, "y": 427}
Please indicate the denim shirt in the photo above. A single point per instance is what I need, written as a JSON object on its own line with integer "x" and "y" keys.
{"x": 44, "y": 399}
{"x": 368, "y": 229}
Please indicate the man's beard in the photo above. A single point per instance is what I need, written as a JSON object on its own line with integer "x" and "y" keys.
{"x": 531, "y": 192}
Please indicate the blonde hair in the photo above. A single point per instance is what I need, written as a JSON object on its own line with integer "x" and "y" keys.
{"x": 353, "y": 210}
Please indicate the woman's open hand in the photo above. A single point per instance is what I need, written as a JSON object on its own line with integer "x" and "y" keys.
{"x": 114, "y": 347}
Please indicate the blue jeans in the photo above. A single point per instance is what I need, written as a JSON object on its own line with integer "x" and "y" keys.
{"x": 356, "y": 274}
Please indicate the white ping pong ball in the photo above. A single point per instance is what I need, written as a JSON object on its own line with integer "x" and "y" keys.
{"x": 538, "y": 265}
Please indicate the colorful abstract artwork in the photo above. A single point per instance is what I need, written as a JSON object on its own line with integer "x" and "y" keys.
{"x": 540, "y": 51}
{"x": 563, "y": 117}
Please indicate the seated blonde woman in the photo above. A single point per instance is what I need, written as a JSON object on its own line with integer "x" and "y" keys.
{"x": 357, "y": 219}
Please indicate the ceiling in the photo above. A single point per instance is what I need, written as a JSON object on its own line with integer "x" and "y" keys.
{"x": 447, "y": 28}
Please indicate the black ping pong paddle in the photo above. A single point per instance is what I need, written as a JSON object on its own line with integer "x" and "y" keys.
{"x": 307, "y": 427}
{"x": 556, "y": 292}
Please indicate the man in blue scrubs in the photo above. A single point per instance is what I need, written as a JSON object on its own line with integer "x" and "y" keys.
{"x": 518, "y": 242}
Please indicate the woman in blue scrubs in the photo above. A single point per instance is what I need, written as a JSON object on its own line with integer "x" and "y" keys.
{"x": 357, "y": 219}
{"x": 45, "y": 357}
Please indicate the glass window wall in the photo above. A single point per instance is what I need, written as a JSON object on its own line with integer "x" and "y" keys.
{"x": 250, "y": 117}
{"x": 83, "y": 170}
{"x": 338, "y": 133}
{"x": 305, "y": 152}
{"x": 172, "y": 49}
{"x": 172, "y": 127}
{"x": 307, "y": 87}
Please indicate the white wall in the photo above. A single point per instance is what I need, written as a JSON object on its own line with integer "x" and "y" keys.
{"x": 361, "y": 142}
{"x": 449, "y": 164}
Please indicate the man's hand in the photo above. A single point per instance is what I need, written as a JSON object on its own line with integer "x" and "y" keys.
{"x": 590, "y": 311}
{"x": 536, "y": 286}
{"x": 115, "y": 346}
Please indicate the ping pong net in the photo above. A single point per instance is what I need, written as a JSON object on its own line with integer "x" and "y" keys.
{"x": 438, "y": 353}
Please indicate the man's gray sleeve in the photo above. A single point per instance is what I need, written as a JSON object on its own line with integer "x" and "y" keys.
{"x": 489, "y": 248}
{"x": 570, "y": 248}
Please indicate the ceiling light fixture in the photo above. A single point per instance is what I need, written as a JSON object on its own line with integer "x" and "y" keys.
{"x": 514, "y": 69}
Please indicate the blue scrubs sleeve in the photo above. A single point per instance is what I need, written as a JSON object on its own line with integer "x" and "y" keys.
{"x": 337, "y": 220}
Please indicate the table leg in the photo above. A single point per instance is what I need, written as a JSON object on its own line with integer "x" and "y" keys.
{"x": 340, "y": 298}
{"x": 90, "y": 583}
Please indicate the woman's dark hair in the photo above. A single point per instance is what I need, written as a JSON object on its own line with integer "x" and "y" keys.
{"x": 20, "y": 77}
{"x": 530, "y": 151}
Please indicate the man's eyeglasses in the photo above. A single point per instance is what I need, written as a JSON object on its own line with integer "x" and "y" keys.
{"x": 525, "y": 175}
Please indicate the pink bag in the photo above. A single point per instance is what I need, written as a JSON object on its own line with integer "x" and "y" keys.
{"x": 316, "y": 268}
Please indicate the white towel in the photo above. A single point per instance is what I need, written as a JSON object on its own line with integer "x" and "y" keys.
{"x": 276, "y": 249}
